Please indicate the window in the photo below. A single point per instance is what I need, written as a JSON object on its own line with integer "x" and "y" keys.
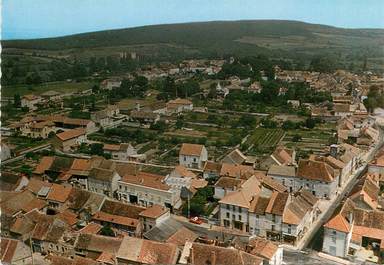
{"x": 239, "y": 217}
{"x": 227, "y": 206}
{"x": 194, "y": 159}
{"x": 333, "y": 237}
{"x": 233, "y": 217}
{"x": 227, "y": 215}
{"x": 273, "y": 218}
{"x": 273, "y": 228}
{"x": 185, "y": 159}
{"x": 239, "y": 210}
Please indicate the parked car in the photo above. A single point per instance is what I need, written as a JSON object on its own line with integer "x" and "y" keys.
{"x": 196, "y": 220}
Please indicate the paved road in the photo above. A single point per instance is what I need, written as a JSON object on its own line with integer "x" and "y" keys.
{"x": 24, "y": 152}
{"x": 339, "y": 197}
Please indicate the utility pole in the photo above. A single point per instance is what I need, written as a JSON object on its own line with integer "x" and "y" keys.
{"x": 30, "y": 246}
{"x": 189, "y": 207}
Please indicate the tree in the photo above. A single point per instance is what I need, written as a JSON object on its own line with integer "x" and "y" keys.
{"x": 310, "y": 123}
{"x": 97, "y": 149}
{"x": 179, "y": 123}
{"x": 296, "y": 138}
{"x": 17, "y": 100}
{"x": 106, "y": 230}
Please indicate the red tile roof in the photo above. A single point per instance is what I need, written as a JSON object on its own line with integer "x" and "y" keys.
{"x": 59, "y": 193}
{"x": 191, "y": 149}
{"x": 70, "y": 134}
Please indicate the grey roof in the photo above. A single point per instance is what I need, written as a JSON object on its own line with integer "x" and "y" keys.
{"x": 43, "y": 192}
{"x": 234, "y": 157}
{"x": 164, "y": 230}
{"x": 278, "y": 170}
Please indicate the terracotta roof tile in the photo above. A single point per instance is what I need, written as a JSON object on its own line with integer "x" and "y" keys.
{"x": 45, "y": 164}
{"x": 191, "y": 149}
{"x": 70, "y": 134}
{"x": 148, "y": 180}
{"x": 59, "y": 193}
{"x": 181, "y": 236}
{"x": 154, "y": 211}
{"x": 315, "y": 170}
{"x": 91, "y": 228}
{"x": 263, "y": 248}
{"x": 115, "y": 219}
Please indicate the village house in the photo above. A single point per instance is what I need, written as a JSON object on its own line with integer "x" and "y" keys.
{"x": 202, "y": 254}
{"x": 226, "y": 185}
{"x": 260, "y": 210}
{"x": 144, "y": 117}
{"x": 93, "y": 246}
{"x": 179, "y": 105}
{"x": 122, "y": 151}
{"x": 30, "y": 102}
{"x": 141, "y": 251}
{"x": 235, "y": 157}
{"x": 317, "y": 177}
{"x": 109, "y": 84}
{"x": 377, "y": 164}
{"x": 236, "y": 171}
{"x": 14, "y": 252}
{"x": 221, "y": 91}
{"x": 103, "y": 181}
{"x": 51, "y": 95}
{"x": 147, "y": 189}
{"x": 109, "y": 117}
{"x": 180, "y": 177}
{"x": 5, "y": 151}
{"x": 37, "y": 130}
{"x": 71, "y": 123}
{"x": 57, "y": 196}
{"x": 193, "y": 155}
{"x": 211, "y": 170}
{"x": 153, "y": 216}
{"x": 69, "y": 140}
{"x": 265, "y": 249}
{"x": 118, "y": 222}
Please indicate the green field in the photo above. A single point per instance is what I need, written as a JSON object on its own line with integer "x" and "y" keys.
{"x": 64, "y": 87}
{"x": 264, "y": 140}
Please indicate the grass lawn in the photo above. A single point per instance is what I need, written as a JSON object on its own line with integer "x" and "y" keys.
{"x": 64, "y": 87}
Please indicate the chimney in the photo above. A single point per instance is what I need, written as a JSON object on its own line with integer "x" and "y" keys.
{"x": 213, "y": 258}
{"x": 334, "y": 150}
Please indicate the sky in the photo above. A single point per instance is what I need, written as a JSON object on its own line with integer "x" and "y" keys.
{"x": 25, "y": 19}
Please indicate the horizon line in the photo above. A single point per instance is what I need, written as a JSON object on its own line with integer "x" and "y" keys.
{"x": 181, "y": 23}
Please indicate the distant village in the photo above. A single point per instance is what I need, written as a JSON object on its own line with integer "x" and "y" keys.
{"x": 183, "y": 180}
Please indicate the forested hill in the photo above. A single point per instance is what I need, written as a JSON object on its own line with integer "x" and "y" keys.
{"x": 277, "y": 38}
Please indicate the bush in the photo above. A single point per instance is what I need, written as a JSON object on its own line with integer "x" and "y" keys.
{"x": 296, "y": 138}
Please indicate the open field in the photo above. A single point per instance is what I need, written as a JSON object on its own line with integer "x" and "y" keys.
{"x": 315, "y": 140}
{"x": 264, "y": 140}
{"x": 63, "y": 87}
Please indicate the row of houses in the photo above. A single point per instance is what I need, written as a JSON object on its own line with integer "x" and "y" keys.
{"x": 357, "y": 226}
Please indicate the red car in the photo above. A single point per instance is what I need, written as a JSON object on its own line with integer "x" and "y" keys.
{"x": 196, "y": 220}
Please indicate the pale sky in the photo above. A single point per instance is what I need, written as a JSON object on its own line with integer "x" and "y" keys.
{"x": 48, "y": 18}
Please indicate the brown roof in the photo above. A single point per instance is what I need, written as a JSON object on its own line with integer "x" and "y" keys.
{"x": 80, "y": 164}
{"x": 147, "y": 179}
{"x": 184, "y": 172}
{"x": 302, "y": 203}
{"x": 282, "y": 155}
{"x": 98, "y": 243}
{"x": 70, "y": 134}
{"x": 342, "y": 108}
{"x": 234, "y": 157}
{"x": 315, "y": 170}
{"x": 91, "y": 228}
{"x": 35, "y": 185}
{"x": 34, "y": 204}
{"x": 245, "y": 195}
{"x": 228, "y": 182}
{"x": 191, "y": 149}
{"x": 8, "y": 250}
{"x": 101, "y": 174}
{"x": 339, "y": 223}
{"x": 154, "y": 211}
{"x": 59, "y": 193}
{"x": 147, "y": 252}
{"x": 212, "y": 166}
{"x": 45, "y": 164}
{"x": 122, "y": 209}
{"x": 181, "y": 236}
{"x": 263, "y": 248}
{"x": 277, "y": 203}
{"x": 115, "y": 219}
{"x": 202, "y": 254}
{"x": 68, "y": 217}
{"x": 235, "y": 171}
